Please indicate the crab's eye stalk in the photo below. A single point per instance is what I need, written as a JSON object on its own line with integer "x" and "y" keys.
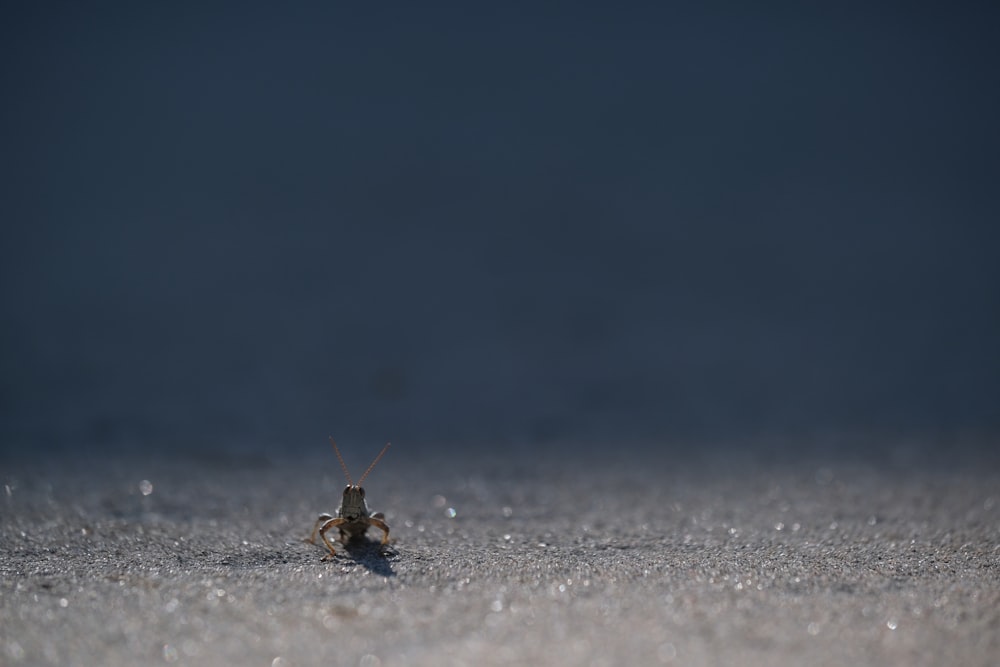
{"x": 347, "y": 488}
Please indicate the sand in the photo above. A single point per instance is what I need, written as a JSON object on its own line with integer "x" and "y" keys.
{"x": 515, "y": 557}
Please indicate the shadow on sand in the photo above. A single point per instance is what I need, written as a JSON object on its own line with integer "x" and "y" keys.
{"x": 371, "y": 555}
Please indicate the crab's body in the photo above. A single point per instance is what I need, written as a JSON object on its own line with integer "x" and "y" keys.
{"x": 353, "y": 518}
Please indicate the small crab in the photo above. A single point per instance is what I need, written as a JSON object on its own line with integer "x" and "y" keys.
{"x": 353, "y": 518}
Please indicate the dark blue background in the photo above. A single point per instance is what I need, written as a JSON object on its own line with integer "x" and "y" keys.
{"x": 455, "y": 225}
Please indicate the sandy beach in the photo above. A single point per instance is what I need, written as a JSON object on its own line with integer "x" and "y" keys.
{"x": 200, "y": 561}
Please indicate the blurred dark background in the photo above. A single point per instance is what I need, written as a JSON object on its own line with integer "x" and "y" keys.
{"x": 262, "y": 225}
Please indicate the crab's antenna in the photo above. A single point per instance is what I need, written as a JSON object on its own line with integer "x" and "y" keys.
{"x": 374, "y": 462}
{"x": 344, "y": 465}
